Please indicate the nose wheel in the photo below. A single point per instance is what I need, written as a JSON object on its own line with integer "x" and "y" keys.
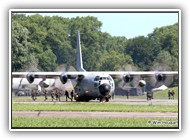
{"x": 104, "y": 99}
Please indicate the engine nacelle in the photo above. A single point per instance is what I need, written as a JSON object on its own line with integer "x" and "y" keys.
{"x": 160, "y": 77}
{"x": 127, "y": 78}
{"x": 142, "y": 83}
{"x": 30, "y": 77}
{"x": 64, "y": 78}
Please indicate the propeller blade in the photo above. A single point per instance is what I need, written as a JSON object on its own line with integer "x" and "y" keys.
{"x": 134, "y": 83}
{"x": 159, "y": 68}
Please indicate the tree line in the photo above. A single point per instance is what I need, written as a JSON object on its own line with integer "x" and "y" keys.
{"x": 43, "y": 43}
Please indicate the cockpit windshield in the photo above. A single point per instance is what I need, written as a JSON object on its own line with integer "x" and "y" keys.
{"x": 104, "y": 78}
{"x": 97, "y": 78}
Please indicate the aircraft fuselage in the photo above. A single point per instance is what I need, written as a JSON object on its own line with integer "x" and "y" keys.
{"x": 93, "y": 86}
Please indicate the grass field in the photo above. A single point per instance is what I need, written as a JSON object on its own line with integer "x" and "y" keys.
{"x": 94, "y": 122}
{"x": 106, "y": 107}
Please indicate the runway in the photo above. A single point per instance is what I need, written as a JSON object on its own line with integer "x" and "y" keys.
{"x": 118, "y": 100}
{"x": 74, "y": 114}
{"x": 145, "y": 102}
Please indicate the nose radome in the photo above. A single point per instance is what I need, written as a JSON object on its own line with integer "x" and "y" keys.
{"x": 104, "y": 89}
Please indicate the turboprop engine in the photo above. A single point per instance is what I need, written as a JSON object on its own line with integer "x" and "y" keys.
{"x": 134, "y": 80}
{"x": 30, "y": 77}
{"x": 160, "y": 77}
{"x": 64, "y": 78}
{"x": 127, "y": 78}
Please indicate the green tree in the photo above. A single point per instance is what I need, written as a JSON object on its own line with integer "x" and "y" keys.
{"x": 19, "y": 45}
{"x": 165, "y": 59}
{"x": 32, "y": 64}
{"x": 142, "y": 51}
{"x": 35, "y": 38}
{"x": 113, "y": 61}
{"x": 166, "y": 39}
{"x": 47, "y": 60}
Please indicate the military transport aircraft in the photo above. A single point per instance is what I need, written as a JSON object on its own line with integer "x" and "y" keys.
{"x": 91, "y": 85}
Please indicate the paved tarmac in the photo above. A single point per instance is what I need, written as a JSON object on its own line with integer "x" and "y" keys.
{"x": 145, "y": 102}
{"x": 122, "y": 101}
{"x": 94, "y": 114}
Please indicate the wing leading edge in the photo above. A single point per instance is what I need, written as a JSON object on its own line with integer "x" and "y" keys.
{"x": 73, "y": 74}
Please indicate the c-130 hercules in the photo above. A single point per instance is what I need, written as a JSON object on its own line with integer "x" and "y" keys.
{"x": 91, "y": 85}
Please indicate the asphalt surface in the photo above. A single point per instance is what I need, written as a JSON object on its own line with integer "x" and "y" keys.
{"x": 94, "y": 114}
{"x": 122, "y": 101}
{"x": 145, "y": 102}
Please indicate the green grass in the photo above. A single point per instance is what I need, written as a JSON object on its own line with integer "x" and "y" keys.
{"x": 82, "y": 106}
{"x": 93, "y": 122}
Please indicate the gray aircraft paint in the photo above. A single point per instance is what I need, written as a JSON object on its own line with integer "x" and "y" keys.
{"x": 79, "y": 64}
{"x": 87, "y": 85}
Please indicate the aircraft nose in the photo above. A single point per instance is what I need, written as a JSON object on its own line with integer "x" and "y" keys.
{"x": 104, "y": 89}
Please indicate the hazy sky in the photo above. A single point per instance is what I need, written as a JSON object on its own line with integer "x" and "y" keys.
{"x": 127, "y": 24}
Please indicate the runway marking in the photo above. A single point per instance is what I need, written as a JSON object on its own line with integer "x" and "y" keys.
{"x": 67, "y": 114}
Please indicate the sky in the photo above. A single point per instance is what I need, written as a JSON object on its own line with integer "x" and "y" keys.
{"x": 129, "y": 25}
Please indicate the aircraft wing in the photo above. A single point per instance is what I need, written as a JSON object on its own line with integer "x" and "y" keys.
{"x": 165, "y": 77}
{"x": 143, "y": 74}
{"x": 160, "y": 76}
{"x": 36, "y": 74}
{"x": 75, "y": 74}
{"x": 45, "y": 74}
{"x": 30, "y": 76}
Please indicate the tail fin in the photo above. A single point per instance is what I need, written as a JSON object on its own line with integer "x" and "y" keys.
{"x": 79, "y": 64}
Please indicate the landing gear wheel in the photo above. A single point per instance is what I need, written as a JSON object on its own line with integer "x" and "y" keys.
{"x": 107, "y": 99}
{"x": 86, "y": 100}
{"x": 104, "y": 99}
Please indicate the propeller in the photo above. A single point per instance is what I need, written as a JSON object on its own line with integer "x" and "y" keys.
{"x": 65, "y": 68}
{"x": 31, "y": 67}
{"x": 160, "y": 79}
{"x": 128, "y": 81}
{"x": 32, "y": 64}
{"x": 69, "y": 84}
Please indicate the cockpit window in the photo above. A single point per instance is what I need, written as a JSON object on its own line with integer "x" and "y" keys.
{"x": 104, "y": 78}
{"x": 96, "y": 78}
{"x": 109, "y": 78}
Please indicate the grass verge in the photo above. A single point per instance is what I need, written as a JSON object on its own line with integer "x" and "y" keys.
{"x": 21, "y": 122}
{"x": 105, "y": 107}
